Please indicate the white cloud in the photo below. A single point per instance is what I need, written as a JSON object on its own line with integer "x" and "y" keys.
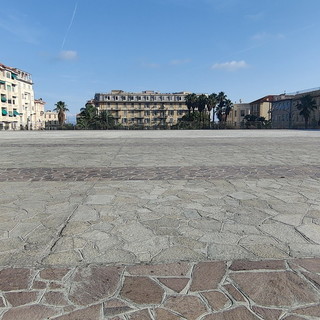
{"x": 68, "y": 55}
{"x": 179, "y": 61}
{"x": 231, "y": 65}
{"x": 267, "y": 36}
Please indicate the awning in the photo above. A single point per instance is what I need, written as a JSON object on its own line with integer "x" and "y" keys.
{"x": 16, "y": 113}
{"x": 2, "y": 82}
{"x": 4, "y": 112}
{"x": 3, "y": 99}
{"x": 14, "y": 76}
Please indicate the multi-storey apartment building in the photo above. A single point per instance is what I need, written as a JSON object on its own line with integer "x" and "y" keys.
{"x": 285, "y": 114}
{"x": 17, "y": 99}
{"x": 148, "y": 109}
{"x": 38, "y": 115}
{"x": 51, "y": 120}
{"x": 282, "y": 112}
{"x": 262, "y": 107}
{"x": 237, "y": 114}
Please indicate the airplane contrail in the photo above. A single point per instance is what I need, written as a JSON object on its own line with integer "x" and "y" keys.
{"x": 70, "y": 25}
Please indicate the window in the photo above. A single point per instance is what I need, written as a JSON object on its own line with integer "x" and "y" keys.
{"x": 242, "y": 113}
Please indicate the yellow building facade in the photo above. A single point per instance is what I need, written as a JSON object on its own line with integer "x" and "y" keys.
{"x": 149, "y": 109}
{"x": 39, "y": 115}
{"x": 262, "y": 107}
{"x": 237, "y": 114}
{"x": 51, "y": 120}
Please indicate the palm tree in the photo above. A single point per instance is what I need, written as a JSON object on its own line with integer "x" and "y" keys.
{"x": 190, "y": 100}
{"x": 201, "y": 104}
{"x": 88, "y": 116}
{"x": 211, "y": 103}
{"x": 61, "y": 108}
{"x": 221, "y": 99}
{"x": 306, "y": 106}
{"x": 105, "y": 120}
{"x": 228, "y": 108}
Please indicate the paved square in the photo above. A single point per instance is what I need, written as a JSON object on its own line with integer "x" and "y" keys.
{"x": 160, "y": 225}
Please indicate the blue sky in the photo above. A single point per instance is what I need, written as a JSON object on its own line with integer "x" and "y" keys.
{"x": 246, "y": 48}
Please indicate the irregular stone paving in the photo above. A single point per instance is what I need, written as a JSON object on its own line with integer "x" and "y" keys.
{"x": 160, "y": 225}
{"x": 157, "y": 173}
{"x": 239, "y": 289}
{"x": 74, "y": 223}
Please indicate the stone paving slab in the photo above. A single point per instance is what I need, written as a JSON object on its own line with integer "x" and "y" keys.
{"x": 159, "y": 225}
{"x": 239, "y": 289}
{"x": 157, "y": 173}
{"x": 78, "y": 223}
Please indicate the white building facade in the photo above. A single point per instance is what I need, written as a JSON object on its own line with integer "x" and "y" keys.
{"x": 18, "y": 110}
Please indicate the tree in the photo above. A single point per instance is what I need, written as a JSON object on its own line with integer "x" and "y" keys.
{"x": 306, "y": 105}
{"x": 105, "y": 120}
{"x": 61, "y": 108}
{"x": 211, "y": 103}
{"x": 221, "y": 98}
{"x": 201, "y": 104}
{"x": 191, "y": 100}
{"x": 227, "y": 109}
{"x": 224, "y": 107}
{"x": 88, "y": 117}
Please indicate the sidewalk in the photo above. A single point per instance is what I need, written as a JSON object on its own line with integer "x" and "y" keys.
{"x": 160, "y": 225}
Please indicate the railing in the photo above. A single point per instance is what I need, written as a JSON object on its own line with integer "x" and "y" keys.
{"x": 303, "y": 91}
